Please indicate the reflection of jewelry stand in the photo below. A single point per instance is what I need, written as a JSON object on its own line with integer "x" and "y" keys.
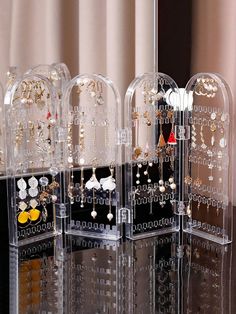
{"x": 207, "y": 276}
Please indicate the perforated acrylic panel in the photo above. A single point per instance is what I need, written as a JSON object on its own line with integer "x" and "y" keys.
{"x": 35, "y": 161}
{"x": 208, "y": 178}
{"x": 153, "y": 121}
{"x": 92, "y": 105}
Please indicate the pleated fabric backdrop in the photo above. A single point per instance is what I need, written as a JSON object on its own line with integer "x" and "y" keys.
{"x": 111, "y": 37}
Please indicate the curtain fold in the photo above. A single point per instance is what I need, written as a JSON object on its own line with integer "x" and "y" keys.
{"x": 214, "y": 46}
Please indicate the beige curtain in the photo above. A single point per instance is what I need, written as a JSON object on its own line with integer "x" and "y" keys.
{"x": 111, "y": 37}
{"x": 214, "y": 45}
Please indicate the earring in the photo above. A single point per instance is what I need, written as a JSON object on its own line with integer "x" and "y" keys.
{"x": 23, "y": 216}
{"x": 19, "y": 133}
{"x": 137, "y": 148}
{"x": 81, "y": 133}
{"x": 39, "y": 96}
{"x": 161, "y": 142}
{"x": 99, "y": 98}
{"x": 21, "y": 184}
{"x": 82, "y": 183}
{"x": 139, "y": 166}
{"x": 93, "y": 184}
{"x": 172, "y": 138}
{"x": 109, "y": 184}
{"x": 33, "y": 212}
{"x": 203, "y": 146}
{"x": 33, "y": 190}
{"x": 146, "y": 173}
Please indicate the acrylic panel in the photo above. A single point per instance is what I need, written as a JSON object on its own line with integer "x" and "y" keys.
{"x": 153, "y": 165}
{"x": 35, "y": 163}
{"x": 208, "y": 153}
{"x": 91, "y": 106}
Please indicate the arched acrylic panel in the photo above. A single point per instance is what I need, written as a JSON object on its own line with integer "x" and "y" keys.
{"x": 34, "y": 163}
{"x": 57, "y": 73}
{"x": 91, "y": 104}
{"x": 208, "y": 176}
{"x": 153, "y": 122}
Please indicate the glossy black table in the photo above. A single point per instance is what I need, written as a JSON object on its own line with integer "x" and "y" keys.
{"x": 163, "y": 274}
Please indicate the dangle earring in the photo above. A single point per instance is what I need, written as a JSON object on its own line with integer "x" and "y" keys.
{"x": 82, "y": 183}
{"x": 161, "y": 181}
{"x": 34, "y": 213}
{"x": 203, "y": 145}
{"x": 146, "y": 173}
{"x": 161, "y": 142}
{"x": 23, "y": 216}
{"x": 22, "y": 185}
{"x": 171, "y": 178}
{"x": 99, "y": 98}
{"x": 93, "y": 184}
{"x": 33, "y": 183}
{"x": 137, "y": 148}
{"x": 110, "y": 185}
{"x": 39, "y": 92}
{"x": 172, "y": 138}
{"x": 139, "y": 166}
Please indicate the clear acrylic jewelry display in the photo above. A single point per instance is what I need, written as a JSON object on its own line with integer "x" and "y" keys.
{"x": 208, "y": 154}
{"x": 152, "y": 155}
{"x": 35, "y": 159}
{"x": 92, "y": 118}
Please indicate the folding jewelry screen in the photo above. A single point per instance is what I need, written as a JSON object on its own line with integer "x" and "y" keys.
{"x": 152, "y": 106}
{"x": 208, "y": 154}
{"x": 91, "y": 105}
{"x": 35, "y": 160}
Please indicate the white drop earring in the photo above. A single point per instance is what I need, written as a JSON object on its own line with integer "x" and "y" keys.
{"x": 93, "y": 184}
{"x": 109, "y": 184}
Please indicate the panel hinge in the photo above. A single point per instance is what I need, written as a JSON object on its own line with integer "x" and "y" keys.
{"x": 182, "y": 132}
{"x": 124, "y": 215}
{"x": 123, "y": 136}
